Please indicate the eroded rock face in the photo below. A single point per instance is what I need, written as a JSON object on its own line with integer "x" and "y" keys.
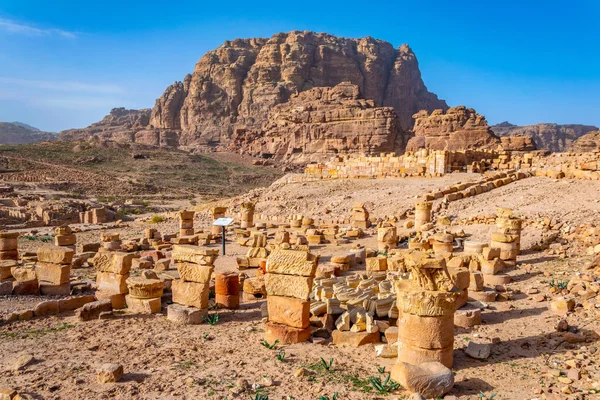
{"x": 459, "y": 128}
{"x": 551, "y": 137}
{"x": 320, "y": 122}
{"x": 517, "y": 143}
{"x": 588, "y": 142}
{"x": 235, "y": 85}
{"x": 126, "y": 126}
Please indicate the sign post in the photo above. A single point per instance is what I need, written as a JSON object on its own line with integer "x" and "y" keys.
{"x": 223, "y": 223}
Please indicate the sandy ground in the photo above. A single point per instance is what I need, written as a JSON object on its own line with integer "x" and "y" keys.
{"x": 164, "y": 361}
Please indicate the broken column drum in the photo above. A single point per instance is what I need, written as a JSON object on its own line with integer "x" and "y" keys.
{"x": 422, "y": 213}
{"x": 247, "y": 215}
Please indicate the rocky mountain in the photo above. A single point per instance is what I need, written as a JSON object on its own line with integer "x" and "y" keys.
{"x": 456, "y": 129}
{"x": 546, "y": 136}
{"x": 588, "y": 142}
{"x": 19, "y": 133}
{"x": 320, "y": 122}
{"x": 233, "y": 88}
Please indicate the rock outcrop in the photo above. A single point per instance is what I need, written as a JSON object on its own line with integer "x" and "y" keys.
{"x": 518, "y": 143}
{"x": 233, "y": 88}
{"x": 235, "y": 85}
{"x": 321, "y": 122}
{"x": 19, "y": 133}
{"x": 459, "y": 128}
{"x": 546, "y": 136}
{"x": 586, "y": 143}
{"x": 127, "y": 126}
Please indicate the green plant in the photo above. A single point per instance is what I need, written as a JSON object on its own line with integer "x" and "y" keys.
{"x": 184, "y": 365}
{"x": 157, "y": 219}
{"x": 327, "y": 365}
{"x": 269, "y": 346}
{"x": 211, "y": 319}
{"x": 205, "y": 336}
{"x": 383, "y": 387}
{"x": 281, "y": 355}
{"x": 335, "y": 396}
{"x": 559, "y": 284}
{"x": 482, "y": 395}
{"x": 259, "y": 396}
{"x": 381, "y": 370}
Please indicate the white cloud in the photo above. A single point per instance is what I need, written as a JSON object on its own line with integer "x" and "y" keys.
{"x": 29, "y": 30}
{"x": 63, "y": 86}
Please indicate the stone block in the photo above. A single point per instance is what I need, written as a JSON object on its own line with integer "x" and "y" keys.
{"x": 45, "y": 308}
{"x": 49, "y": 289}
{"x": 91, "y": 311}
{"x": 65, "y": 240}
{"x": 9, "y": 255}
{"x": 285, "y": 334}
{"x": 112, "y": 283}
{"x": 23, "y": 273}
{"x": 191, "y": 294}
{"x": 354, "y": 339}
{"x": 117, "y": 300}
{"x": 25, "y": 287}
{"x": 55, "y": 254}
{"x": 55, "y": 274}
{"x": 227, "y": 284}
{"x": 143, "y": 306}
{"x": 292, "y": 262}
{"x": 288, "y": 285}
{"x": 185, "y": 315}
{"x": 73, "y": 303}
{"x": 289, "y": 311}
{"x": 190, "y": 272}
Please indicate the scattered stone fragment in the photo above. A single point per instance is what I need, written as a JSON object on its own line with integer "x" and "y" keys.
{"x": 480, "y": 351}
{"x": 109, "y": 373}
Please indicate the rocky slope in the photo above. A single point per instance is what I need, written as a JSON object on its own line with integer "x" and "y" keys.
{"x": 321, "y": 122}
{"x": 546, "y": 136}
{"x": 122, "y": 125}
{"x": 20, "y": 133}
{"x": 457, "y": 129}
{"x": 233, "y": 87}
{"x": 588, "y": 142}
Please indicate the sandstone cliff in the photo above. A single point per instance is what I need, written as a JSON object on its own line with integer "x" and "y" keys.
{"x": 127, "y": 126}
{"x": 235, "y": 85}
{"x": 546, "y": 136}
{"x": 459, "y": 128}
{"x": 20, "y": 133}
{"x": 588, "y": 142}
{"x": 321, "y": 122}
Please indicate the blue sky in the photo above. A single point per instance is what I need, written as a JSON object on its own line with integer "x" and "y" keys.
{"x": 65, "y": 64}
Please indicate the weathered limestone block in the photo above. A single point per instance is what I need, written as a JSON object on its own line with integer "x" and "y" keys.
{"x": 354, "y": 339}
{"x": 143, "y": 288}
{"x": 5, "y": 268}
{"x": 112, "y": 283}
{"x": 416, "y": 355}
{"x": 289, "y": 311}
{"x": 194, "y": 254}
{"x": 23, "y": 273}
{"x": 291, "y": 262}
{"x": 285, "y": 334}
{"x": 185, "y": 315}
{"x": 55, "y": 274}
{"x": 190, "y": 272}
{"x": 8, "y": 241}
{"x": 65, "y": 240}
{"x": 191, "y": 294}
{"x": 55, "y": 255}
{"x": 432, "y": 380}
{"x": 143, "y": 305}
{"x": 48, "y": 289}
{"x": 288, "y": 285}
{"x": 115, "y": 262}
{"x": 92, "y": 310}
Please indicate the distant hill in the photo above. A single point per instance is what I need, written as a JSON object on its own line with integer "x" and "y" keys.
{"x": 546, "y": 136}
{"x": 20, "y": 133}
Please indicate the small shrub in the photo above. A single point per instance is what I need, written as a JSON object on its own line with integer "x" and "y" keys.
{"x": 383, "y": 387}
{"x": 327, "y": 365}
{"x": 281, "y": 355}
{"x": 211, "y": 319}
{"x": 156, "y": 219}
